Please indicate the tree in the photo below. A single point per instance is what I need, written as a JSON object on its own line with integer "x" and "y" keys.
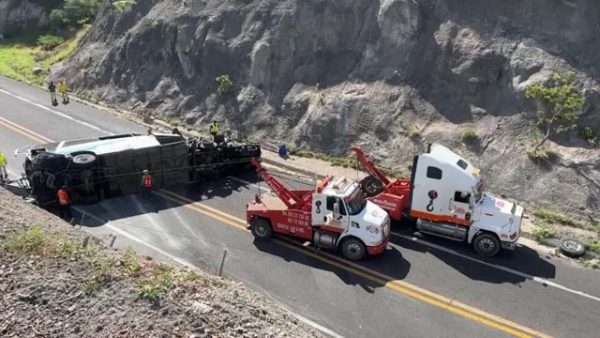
{"x": 74, "y": 12}
{"x": 224, "y": 84}
{"x": 560, "y": 101}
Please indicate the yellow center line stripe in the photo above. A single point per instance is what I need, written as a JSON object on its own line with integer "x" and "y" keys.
{"x": 399, "y": 286}
{"x": 389, "y": 282}
{"x": 24, "y": 131}
{"x": 230, "y": 217}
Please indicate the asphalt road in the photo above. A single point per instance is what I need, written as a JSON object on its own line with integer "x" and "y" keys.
{"x": 417, "y": 288}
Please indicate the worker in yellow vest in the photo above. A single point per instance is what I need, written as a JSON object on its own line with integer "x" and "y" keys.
{"x": 3, "y": 164}
{"x": 214, "y": 128}
{"x": 62, "y": 89}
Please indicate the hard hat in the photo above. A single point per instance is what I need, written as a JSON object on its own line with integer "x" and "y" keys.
{"x": 145, "y": 171}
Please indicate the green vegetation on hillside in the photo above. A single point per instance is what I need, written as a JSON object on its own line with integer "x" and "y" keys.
{"x": 554, "y": 217}
{"x": 224, "y": 84}
{"x": 18, "y": 57}
{"x": 560, "y": 102}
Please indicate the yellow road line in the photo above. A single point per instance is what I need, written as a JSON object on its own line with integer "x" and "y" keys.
{"x": 24, "y": 131}
{"x": 399, "y": 286}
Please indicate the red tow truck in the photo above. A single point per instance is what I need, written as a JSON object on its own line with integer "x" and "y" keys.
{"x": 335, "y": 215}
{"x": 445, "y": 197}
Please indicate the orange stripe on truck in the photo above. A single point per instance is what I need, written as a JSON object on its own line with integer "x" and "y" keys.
{"x": 439, "y": 218}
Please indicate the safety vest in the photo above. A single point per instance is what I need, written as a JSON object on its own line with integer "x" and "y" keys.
{"x": 62, "y": 87}
{"x": 214, "y": 128}
{"x": 147, "y": 181}
{"x": 63, "y": 197}
{"x": 2, "y": 160}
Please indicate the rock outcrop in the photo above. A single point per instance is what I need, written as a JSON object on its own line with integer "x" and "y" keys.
{"x": 391, "y": 75}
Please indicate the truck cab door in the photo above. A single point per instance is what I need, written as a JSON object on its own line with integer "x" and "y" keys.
{"x": 338, "y": 214}
{"x": 460, "y": 204}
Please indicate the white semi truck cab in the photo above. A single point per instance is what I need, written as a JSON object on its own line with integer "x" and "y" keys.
{"x": 447, "y": 199}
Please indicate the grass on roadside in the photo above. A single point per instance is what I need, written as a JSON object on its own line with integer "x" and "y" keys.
{"x": 340, "y": 161}
{"x": 543, "y": 231}
{"x": 555, "y": 217}
{"x": 19, "y": 57}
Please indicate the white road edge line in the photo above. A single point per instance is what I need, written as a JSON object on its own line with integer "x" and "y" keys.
{"x": 56, "y": 112}
{"x": 540, "y": 280}
{"x": 181, "y": 261}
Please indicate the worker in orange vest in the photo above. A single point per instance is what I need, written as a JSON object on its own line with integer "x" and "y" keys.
{"x": 146, "y": 183}
{"x": 64, "y": 203}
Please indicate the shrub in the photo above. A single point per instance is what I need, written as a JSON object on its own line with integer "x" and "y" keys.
{"x": 469, "y": 135}
{"x": 130, "y": 264}
{"x": 415, "y": 133}
{"x": 31, "y": 241}
{"x": 595, "y": 247}
{"x": 100, "y": 274}
{"x": 159, "y": 281}
{"x": 587, "y": 134}
{"x": 49, "y": 42}
{"x": 542, "y": 154}
{"x": 224, "y": 84}
{"x": 543, "y": 231}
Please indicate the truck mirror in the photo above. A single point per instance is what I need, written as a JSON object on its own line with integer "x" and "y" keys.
{"x": 336, "y": 210}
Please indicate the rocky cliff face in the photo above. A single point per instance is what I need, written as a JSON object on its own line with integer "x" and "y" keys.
{"x": 391, "y": 75}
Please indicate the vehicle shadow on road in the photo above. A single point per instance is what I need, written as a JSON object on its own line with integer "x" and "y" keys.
{"x": 368, "y": 281}
{"x": 506, "y": 267}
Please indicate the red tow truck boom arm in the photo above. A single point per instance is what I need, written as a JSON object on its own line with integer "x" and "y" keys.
{"x": 289, "y": 198}
{"x": 370, "y": 167}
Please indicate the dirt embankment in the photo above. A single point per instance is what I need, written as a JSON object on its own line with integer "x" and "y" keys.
{"x": 56, "y": 283}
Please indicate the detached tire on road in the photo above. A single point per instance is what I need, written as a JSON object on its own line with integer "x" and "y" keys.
{"x": 261, "y": 229}
{"x": 371, "y": 186}
{"x": 353, "y": 249}
{"x": 486, "y": 244}
{"x": 572, "y": 248}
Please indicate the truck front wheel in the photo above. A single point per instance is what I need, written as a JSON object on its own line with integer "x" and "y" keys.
{"x": 486, "y": 244}
{"x": 353, "y": 249}
{"x": 261, "y": 229}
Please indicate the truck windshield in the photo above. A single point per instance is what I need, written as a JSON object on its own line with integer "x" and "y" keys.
{"x": 355, "y": 203}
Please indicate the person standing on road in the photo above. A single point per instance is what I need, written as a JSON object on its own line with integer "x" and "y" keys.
{"x": 146, "y": 184}
{"x": 64, "y": 203}
{"x": 62, "y": 88}
{"x": 52, "y": 90}
{"x": 3, "y": 164}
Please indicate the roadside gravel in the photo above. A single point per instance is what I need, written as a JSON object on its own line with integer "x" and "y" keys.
{"x": 56, "y": 283}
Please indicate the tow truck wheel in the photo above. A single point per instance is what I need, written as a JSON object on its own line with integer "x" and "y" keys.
{"x": 353, "y": 249}
{"x": 486, "y": 244}
{"x": 371, "y": 186}
{"x": 261, "y": 229}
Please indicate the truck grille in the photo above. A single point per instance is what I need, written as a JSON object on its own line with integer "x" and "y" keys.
{"x": 386, "y": 227}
